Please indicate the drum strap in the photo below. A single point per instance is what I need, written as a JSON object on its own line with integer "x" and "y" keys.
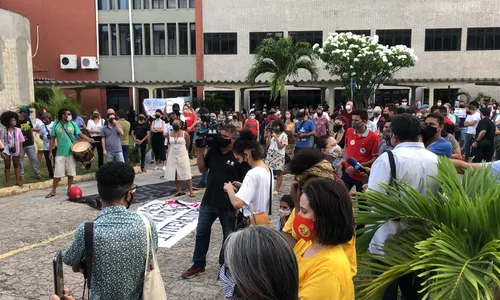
{"x": 62, "y": 125}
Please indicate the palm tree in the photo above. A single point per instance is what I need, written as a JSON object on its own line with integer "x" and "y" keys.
{"x": 57, "y": 100}
{"x": 282, "y": 59}
{"x": 452, "y": 239}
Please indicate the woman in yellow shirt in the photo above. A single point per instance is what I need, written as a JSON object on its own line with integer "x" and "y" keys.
{"x": 324, "y": 222}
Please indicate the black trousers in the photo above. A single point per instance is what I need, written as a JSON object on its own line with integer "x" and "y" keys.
{"x": 48, "y": 162}
{"x": 158, "y": 146}
{"x": 483, "y": 153}
{"x": 409, "y": 285}
{"x": 100, "y": 155}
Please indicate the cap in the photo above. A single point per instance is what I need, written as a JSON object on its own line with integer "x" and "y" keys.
{"x": 24, "y": 109}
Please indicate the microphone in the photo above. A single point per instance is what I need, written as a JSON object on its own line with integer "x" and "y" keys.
{"x": 351, "y": 161}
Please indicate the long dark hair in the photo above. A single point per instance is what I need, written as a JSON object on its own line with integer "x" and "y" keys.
{"x": 247, "y": 141}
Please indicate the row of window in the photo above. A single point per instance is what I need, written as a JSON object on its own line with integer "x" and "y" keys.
{"x": 435, "y": 39}
{"x": 144, "y": 4}
{"x": 148, "y": 39}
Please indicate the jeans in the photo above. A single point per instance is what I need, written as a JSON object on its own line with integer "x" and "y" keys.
{"x": 204, "y": 176}
{"x": 31, "y": 153}
{"x": 125, "y": 153}
{"x": 143, "y": 153}
{"x": 463, "y": 133}
{"x": 115, "y": 156}
{"x": 206, "y": 218}
{"x": 467, "y": 144}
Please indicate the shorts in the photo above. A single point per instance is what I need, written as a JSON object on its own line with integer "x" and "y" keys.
{"x": 64, "y": 164}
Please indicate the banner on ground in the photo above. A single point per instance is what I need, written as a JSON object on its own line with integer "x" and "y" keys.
{"x": 152, "y": 104}
{"x": 174, "y": 219}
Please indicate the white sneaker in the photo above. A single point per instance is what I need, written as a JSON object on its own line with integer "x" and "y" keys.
{"x": 156, "y": 168}
{"x": 275, "y": 193}
{"x": 163, "y": 168}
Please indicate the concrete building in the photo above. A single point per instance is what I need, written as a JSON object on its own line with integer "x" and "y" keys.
{"x": 16, "y": 77}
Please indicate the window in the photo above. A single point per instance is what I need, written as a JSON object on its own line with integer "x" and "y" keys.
{"x": 122, "y": 4}
{"x": 171, "y": 3}
{"x": 158, "y": 4}
{"x": 102, "y": 5}
{"x": 113, "y": 39}
{"x": 183, "y": 38}
{"x": 191, "y": 3}
{"x": 159, "y": 39}
{"x": 257, "y": 37}
{"x": 220, "y": 43}
{"x": 172, "y": 38}
{"x": 112, "y": 4}
{"x": 147, "y": 39}
{"x": 443, "y": 39}
{"x": 136, "y": 4}
{"x": 192, "y": 36}
{"x": 146, "y": 4}
{"x": 124, "y": 31}
{"x": 483, "y": 38}
{"x": 311, "y": 37}
{"x": 138, "y": 39}
{"x": 104, "y": 39}
{"x": 183, "y": 3}
{"x": 358, "y": 32}
{"x": 394, "y": 37}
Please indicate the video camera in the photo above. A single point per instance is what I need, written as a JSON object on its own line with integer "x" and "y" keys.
{"x": 207, "y": 137}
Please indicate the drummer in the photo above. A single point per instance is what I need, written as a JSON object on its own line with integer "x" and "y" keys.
{"x": 64, "y": 131}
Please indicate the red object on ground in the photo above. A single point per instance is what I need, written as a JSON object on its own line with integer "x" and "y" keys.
{"x": 75, "y": 193}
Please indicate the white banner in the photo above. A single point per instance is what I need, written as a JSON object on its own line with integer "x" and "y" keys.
{"x": 174, "y": 219}
{"x": 151, "y": 105}
{"x": 170, "y": 102}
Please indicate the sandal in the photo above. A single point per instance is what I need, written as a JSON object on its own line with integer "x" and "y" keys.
{"x": 50, "y": 195}
{"x": 192, "y": 195}
{"x": 179, "y": 194}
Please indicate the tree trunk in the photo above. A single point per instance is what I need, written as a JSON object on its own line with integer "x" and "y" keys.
{"x": 283, "y": 103}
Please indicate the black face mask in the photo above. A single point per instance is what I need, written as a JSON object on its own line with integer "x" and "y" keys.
{"x": 222, "y": 142}
{"x": 95, "y": 116}
{"x": 176, "y": 110}
{"x": 428, "y": 132}
{"x": 157, "y": 116}
{"x": 176, "y": 127}
{"x": 320, "y": 114}
{"x": 337, "y": 127}
{"x": 386, "y": 116}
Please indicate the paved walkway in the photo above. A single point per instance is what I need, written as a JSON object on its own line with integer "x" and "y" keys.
{"x": 34, "y": 228}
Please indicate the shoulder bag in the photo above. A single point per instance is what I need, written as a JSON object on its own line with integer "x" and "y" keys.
{"x": 153, "y": 288}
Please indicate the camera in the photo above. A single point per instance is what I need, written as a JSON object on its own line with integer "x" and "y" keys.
{"x": 208, "y": 137}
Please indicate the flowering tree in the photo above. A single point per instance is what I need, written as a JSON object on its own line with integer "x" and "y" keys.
{"x": 349, "y": 56}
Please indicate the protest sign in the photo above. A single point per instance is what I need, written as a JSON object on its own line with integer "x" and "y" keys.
{"x": 151, "y": 105}
{"x": 169, "y": 102}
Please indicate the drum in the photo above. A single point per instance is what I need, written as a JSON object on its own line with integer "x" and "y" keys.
{"x": 82, "y": 150}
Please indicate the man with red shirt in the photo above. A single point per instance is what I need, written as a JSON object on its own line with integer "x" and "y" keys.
{"x": 347, "y": 113}
{"x": 190, "y": 120}
{"x": 362, "y": 145}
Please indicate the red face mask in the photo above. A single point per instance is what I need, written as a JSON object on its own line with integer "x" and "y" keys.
{"x": 304, "y": 227}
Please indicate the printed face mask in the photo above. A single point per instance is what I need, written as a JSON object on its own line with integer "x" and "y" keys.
{"x": 304, "y": 227}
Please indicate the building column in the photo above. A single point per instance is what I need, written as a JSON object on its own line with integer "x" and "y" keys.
{"x": 323, "y": 96}
{"x": 191, "y": 93}
{"x": 150, "y": 92}
{"x": 237, "y": 99}
{"x": 413, "y": 96}
{"x": 431, "y": 96}
{"x": 78, "y": 96}
{"x": 331, "y": 97}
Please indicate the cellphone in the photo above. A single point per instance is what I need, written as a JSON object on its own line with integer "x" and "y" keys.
{"x": 58, "y": 275}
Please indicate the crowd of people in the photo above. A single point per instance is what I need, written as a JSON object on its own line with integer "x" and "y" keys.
{"x": 329, "y": 152}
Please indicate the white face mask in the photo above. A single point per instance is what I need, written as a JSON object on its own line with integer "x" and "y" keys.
{"x": 347, "y": 107}
{"x": 285, "y": 212}
{"x": 335, "y": 151}
{"x": 230, "y": 117}
{"x": 69, "y": 118}
{"x": 440, "y": 103}
{"x": 186, "y": 111}
{"x": 252, "y": 117}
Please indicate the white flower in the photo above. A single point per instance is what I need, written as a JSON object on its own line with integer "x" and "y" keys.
{"x": 353, "y": 74}
{"x": 352, "y": 67}
{"x": 389, "y": 64}
{"x": 384, "y": 59}
{"x": 356, "y": 59}
{"x": 316, "y": 46}
{"x": 321, "y": 51}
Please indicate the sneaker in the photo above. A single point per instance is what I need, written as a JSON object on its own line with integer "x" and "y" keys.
{"x": 275, "y": 193}
{"x": 192, "y": 272}
{"x": 163, "y": 168}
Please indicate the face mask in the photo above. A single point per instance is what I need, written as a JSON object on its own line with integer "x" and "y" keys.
{"x": 355, "y": 124}
{"x": 347, "y": 107}
{"x": 286, "y": 213}
{"x": 337, "y": 127}
{"x": 69, "y": 118}
{"x": 176, "y": 127}
{"x": 428, "y": 132}
{"x": 213, "y": 117}
{"x": 320, "y": 114}
{"x": 304, "y": 227}
{"x": 157, "y": 116}
{"x": 176, "y": 110}
{"x": 186, "y": 111}
{"x": 95, "y": 116}
{"x": 376, "y": 114}
{"x": 404, "y": 103}
{"x": 223, "y": 143}
{"x": 141, "y": 118}
{"x": 335, "y": 151}
{"x": 440, "y": 103}
{"x": 385, "y": 116}
{"x": 252, "y": 117}
{"x": 47, "y": 122}
{"x": 230, "y": 117}
{"x": 370, "y": 111}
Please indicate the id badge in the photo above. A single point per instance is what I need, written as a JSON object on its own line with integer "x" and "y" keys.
{"x": 176, "y": 146}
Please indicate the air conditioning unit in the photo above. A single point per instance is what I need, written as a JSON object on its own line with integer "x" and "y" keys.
{"x": 89, "y": 62}
{"x": 68, "y": 61}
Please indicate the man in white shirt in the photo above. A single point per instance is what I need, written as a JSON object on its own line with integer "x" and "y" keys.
{"x": 471, "y": 121}
{"x": 414, "y": 165}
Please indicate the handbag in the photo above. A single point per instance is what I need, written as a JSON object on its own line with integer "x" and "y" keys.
{"x": 153, "y": 288}
{"x": 262, "y": 218}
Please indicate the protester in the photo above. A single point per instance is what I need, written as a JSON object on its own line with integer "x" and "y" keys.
{"x": 417, "y": 167}
{"x": 275, "y": 159}
{"x": 13, "y": 139}
{"x": 223, "y": 167}
{"x": 125, "y": 137}
{"x": 347, "y": 113}
{"x": 286, "y": 207}
{"x": 377, "y": 118}
{"x": 323, "y": 226}
{"x": 290, "y": 131}
{"x": 431, "y": 136}
{"x": 44, "y": 133}
{"x": 94, "y": 126}
{"x": 471, "y": 121}
{"x": 28, "y": 144}
{"x": 385, "y": 142}
{"x": 259, "y": 265}
{"x": 253, "y": 193}
{"x": 339, "y": 130}
{"x": 304, "y": 132}
{"x": 63, "y": 132}
{"x": 36, "y": 134}
{"x": 235, "y": 121}
{"x": 321, "y": 122}
{"x": 157, "y": 138}
{"x": 190, "y": 122}
{"x": 179, "y": 167}
{"x": 111, "y": 144}
{"x": 140, "y": 133}
{"x": 483, "y": 145}
{"x": 119, "y": 247}
{"x": 253, "y": 125}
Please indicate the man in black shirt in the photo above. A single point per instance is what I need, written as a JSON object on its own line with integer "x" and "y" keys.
{"x": 28, "y": 144}
{"x": 485, "y": 135}
{"x": 140, "y": 133}
{"x": 222, "y": 167}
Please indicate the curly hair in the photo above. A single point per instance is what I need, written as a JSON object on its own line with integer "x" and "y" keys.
{"x": 247, "y": 141}
{"x": 305, "y": 159}
{"x": 114, "y": 179}
{"x": 7, "y": 116}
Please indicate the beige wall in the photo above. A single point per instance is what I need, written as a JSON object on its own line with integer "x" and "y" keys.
{"x": 326, "y": 15}
{"x": 16, "y": 73}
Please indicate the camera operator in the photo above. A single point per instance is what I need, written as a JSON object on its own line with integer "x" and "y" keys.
{"x": 223, "y": 167}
